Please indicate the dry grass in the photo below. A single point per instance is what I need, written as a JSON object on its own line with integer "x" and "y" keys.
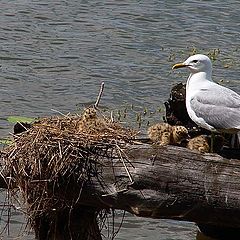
{"x": 52, "y": 160}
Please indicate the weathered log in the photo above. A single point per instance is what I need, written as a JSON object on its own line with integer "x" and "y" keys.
{"x": 170, "y": 182}
{"x": 157, "y": 182}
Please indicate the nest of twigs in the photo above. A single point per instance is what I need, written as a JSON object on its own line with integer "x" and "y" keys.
{"x": 51, "y": 161}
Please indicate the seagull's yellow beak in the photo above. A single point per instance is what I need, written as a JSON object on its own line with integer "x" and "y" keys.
{"x": 179, "y": 65}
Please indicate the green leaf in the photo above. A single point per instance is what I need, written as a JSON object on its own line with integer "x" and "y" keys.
{"x": 15, "y": 119}
{"x": 6, "y": 141}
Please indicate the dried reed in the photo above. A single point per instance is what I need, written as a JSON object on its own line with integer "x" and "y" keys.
{"x": 50, "y": 162}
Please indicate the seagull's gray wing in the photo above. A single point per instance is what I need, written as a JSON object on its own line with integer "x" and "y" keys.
{"x": 218, "y": 106}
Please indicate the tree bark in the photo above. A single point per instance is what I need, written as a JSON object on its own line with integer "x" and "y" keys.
{"x": 170, "y": 182}
{"x": 157, "y": 182}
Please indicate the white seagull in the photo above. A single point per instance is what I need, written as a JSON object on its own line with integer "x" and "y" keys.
{"x": 209, "y": 105}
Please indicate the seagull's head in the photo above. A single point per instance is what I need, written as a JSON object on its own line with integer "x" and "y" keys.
{"x": 196, "y": 63}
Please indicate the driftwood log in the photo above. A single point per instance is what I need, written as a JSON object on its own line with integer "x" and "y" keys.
{"x": 171, "y": 182}
{"x": 164, "y": 183}
{"x": 161, "y": 182}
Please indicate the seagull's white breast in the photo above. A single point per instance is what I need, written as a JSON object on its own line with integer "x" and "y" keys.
{"x": 193, "y": 87}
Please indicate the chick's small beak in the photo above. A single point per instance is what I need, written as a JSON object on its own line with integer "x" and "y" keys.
{"x": 179, "y": 65}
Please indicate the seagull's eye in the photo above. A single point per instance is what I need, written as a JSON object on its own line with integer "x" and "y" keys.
{"x": 194, "y": 61}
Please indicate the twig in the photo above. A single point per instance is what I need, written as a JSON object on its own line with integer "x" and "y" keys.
{"x": 120, "y": 225}
{"x": 124, "y": 164}
{"x": 99, "y": 95}
{"x": 112, "y": 117}
{"x": 64, "y": 115}
{"x": 23, "y": 126}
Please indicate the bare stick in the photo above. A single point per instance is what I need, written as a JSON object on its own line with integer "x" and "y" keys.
{"x": 112, "y": 117}
{"x": 124, "y": 164}
{"x": 99, "y": 95}
{"x": 54, "y": 110}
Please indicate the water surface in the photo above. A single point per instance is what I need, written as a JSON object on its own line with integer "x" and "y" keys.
{"x": 55, "y": 54}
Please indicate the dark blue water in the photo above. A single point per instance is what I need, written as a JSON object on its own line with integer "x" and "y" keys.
{"x": 55, "y": 54}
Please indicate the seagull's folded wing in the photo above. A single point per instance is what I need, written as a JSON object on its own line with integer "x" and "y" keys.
{"x": 218, "y": 106}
